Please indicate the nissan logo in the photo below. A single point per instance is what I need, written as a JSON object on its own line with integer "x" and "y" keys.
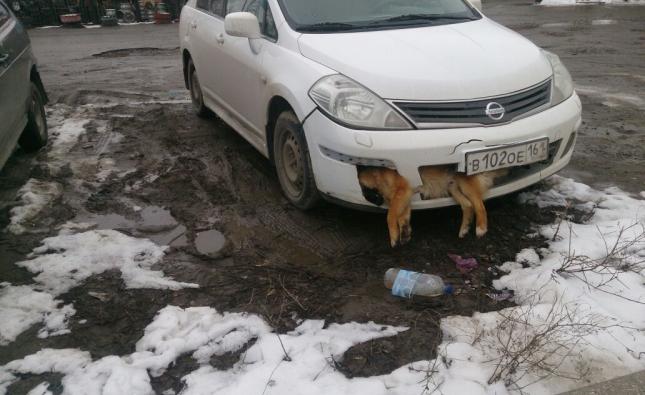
{"x": 495, "y": 111}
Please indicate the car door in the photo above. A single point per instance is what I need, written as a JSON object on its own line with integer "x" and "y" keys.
{"x": 206, "y": 28}
{"x": 8, "y": 107}
{"x": 240, "y": 62}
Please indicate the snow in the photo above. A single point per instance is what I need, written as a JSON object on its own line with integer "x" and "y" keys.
{"x": 22, "y": 306}
{"x": 610, "y": 350}
{"x": 600, "y": 317}
{"x": 64, "y": 261}
{"x": 311, "y": 349}
{"x": 34, "y": 196}
{"x": 40, "y": 389}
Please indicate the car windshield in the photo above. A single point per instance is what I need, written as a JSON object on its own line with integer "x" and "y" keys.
{"x": 351, "y": 15}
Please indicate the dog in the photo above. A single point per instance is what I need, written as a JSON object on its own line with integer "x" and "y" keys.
{"x": 383, "y": 185}
{"x": 468, "y": 192}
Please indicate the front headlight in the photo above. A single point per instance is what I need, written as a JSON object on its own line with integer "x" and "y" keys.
{"x": 350, "y": 103}
{"x": 562, "y": 83}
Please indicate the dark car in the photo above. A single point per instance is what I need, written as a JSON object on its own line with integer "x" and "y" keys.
{"x": 22, "y": 96}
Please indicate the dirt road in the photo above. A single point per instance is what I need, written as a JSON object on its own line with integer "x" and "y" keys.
{"x": 145, "y": 165}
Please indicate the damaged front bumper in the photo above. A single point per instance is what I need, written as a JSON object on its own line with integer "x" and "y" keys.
{"x": 336, "y": 151}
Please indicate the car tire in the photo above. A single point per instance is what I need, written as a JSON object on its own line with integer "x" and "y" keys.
{"x": 34, "y": 136}
{"x": 196, "y": 95}
{"x": 293, "y": 163}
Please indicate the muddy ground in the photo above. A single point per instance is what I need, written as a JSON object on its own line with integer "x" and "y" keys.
{"x": 195, "y": 185}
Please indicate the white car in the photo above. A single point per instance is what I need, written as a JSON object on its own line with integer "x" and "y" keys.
{"x": 324, "y": 87}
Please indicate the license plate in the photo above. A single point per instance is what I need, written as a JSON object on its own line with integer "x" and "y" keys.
{"x": 507, "y": 156}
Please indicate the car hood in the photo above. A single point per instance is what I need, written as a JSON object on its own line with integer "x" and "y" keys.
{"x": 460, "y": 61}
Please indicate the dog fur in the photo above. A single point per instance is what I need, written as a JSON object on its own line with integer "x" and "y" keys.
{"x": 383, "y": 185}
{"x": 468, "y": 191}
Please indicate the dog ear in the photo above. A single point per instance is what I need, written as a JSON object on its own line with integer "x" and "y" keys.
{"x": 373, "y": 196}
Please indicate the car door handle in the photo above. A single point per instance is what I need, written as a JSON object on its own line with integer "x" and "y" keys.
{"x": 3, "y": 58}
{"x": 220, "y": 38}
{"x": 193, "y": 25}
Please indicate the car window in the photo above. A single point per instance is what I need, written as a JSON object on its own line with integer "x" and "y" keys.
{"x": 202, "y": 4}
{"x": 269, "y": 27}
{"x": 4, "y": 15}
{"x": 218, "y": 7}
{"x": 234, "y": 6}
{"x": 261, "y": 9}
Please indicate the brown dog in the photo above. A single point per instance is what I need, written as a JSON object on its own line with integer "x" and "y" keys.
{"x": 468, "y": 191}
{"x": 381, "y": 185}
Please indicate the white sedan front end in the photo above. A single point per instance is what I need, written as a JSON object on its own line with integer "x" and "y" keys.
{"x": 336, "y": 151}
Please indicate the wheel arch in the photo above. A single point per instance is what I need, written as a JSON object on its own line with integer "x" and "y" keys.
{"x": 277, "y": 105}
{"x": 34, "y": 76}
{"x": 185, "y": 57}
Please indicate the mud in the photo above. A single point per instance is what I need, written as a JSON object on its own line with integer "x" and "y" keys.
{"x": 150, "y": 168}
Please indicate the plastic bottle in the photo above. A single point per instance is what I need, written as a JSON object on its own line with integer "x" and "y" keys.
{"x": 405, "y": 283}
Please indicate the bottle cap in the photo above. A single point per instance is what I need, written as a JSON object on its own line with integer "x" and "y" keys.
{"x": 448, "y": 289}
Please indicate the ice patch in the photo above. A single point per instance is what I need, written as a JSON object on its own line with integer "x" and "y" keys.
{"x": 35, "y": 195}
{"x": 64, "y": 261}
{"x": 298, "y": 362}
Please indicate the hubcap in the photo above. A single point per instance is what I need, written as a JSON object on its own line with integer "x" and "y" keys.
{"x": 292, "y": 165}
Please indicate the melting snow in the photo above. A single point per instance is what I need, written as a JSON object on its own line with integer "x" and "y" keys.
{"x": 34, "y": 195}
{"x": 64, "y": 261}
{"x": 308, "y": 369}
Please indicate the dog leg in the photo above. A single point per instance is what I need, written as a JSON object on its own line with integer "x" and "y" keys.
{"x": 466, "y": 208}
{"x": 404, "y": 225}
{"x": 393, "y": 227}
{"x": 471, "y": 187}
{"x": 399, "y": 208}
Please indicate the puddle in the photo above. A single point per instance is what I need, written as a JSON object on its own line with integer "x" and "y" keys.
{"x": 155, "y": 223}
{"x": 175, "y": 237}
{"x": 106, "y": 221}
{"x": 155, "y": 219}
{"x": 210, "y": 242}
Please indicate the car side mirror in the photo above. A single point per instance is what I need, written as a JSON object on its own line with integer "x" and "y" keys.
{"x": 242, "y": 24}
{"x": 477, "y": 4}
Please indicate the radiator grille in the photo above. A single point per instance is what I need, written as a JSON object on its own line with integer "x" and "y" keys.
{"x": 474, "y": 112}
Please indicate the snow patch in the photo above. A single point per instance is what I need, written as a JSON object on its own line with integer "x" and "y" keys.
{"x": 35, "y": 195}
{"x": 40, "y": 389}
{"x": 613, "y": 300}
{"x": 62, "y": 262}
{"x": 299, "y": 362}
{"x": 21, "y": 307}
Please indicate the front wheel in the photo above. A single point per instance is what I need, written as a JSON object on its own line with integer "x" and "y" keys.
{"x": 34, "y": 136}
{"x": 293, "y": 163}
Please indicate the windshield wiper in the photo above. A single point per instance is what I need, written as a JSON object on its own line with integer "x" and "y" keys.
{"x": 329, "y": 26}
{"x": 424, "y": 17}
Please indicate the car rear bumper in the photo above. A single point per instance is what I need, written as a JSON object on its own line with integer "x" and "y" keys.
{"x": 336, "y": 150}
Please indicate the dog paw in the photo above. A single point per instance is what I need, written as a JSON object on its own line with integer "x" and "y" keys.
{"x": 480, "y": 231}
{"x": 393, "y": 242}
{"x": 406, "y": 235}
{"x": 463, "y": 233}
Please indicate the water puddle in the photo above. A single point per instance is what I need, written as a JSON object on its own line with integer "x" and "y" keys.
{"x": 210, "y": 242}
{"x": 154, "y": 223}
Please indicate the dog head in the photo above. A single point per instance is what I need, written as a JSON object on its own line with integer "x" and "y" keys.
{"x": 373, "y": 196}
